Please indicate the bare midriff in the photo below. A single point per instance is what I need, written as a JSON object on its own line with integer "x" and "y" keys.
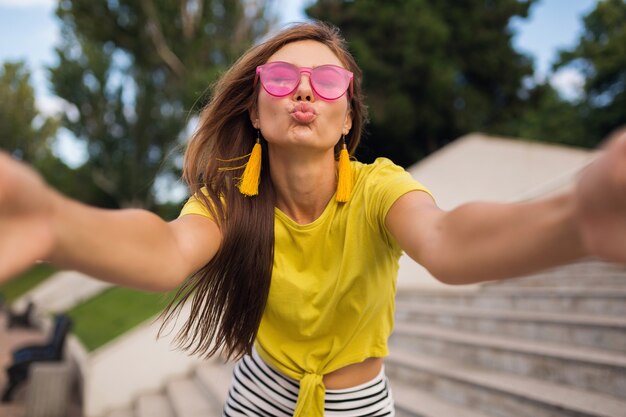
{"x": 353, "y": 374}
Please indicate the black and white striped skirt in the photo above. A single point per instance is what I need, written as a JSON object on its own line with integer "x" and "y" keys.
{"x": 259, "y": 390}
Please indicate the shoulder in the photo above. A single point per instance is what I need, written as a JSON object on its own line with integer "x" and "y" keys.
{"x": 382, "y": 182}
{"x": 381, "y": 167}
{"x": 204, "y": 204}
{"x": 378, "y": 164}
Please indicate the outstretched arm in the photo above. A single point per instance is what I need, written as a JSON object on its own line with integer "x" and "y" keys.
{"x": 132, "y": 247}
{"x": 488, "y": 241}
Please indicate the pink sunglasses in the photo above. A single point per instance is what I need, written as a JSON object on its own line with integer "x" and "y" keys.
{"x": 280, "y": 79}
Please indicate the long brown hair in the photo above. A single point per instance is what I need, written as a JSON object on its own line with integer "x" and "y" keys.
{"x": 230, "y": 292}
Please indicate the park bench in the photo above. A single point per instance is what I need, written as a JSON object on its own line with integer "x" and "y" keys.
{"x": 23, "y": 319}
{"x": 24, "y": 357}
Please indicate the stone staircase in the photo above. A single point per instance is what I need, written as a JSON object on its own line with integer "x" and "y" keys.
{"x": 201, "y": 394}
{"x": 549, "y": 345}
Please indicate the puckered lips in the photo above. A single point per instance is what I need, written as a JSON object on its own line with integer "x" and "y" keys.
{"x": 303, "y": 113}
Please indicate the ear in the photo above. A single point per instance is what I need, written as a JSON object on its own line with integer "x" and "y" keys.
{"x": 254, "y": 117}
{"x": 347, "y": 124}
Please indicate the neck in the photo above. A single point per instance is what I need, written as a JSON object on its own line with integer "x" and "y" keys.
{"x": 304, "y": 183}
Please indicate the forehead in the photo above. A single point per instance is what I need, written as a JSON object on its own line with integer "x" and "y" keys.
{"x": 306, "y": 53}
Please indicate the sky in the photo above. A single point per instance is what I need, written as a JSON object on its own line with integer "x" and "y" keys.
{"x": 29, "y": 31}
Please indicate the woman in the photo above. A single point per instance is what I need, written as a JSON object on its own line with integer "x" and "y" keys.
{"x": 326, "y": 233}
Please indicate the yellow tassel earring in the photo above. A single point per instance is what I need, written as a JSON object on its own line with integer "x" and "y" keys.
{"x": 344, "y": 174}
{"x": 249, "y": 182}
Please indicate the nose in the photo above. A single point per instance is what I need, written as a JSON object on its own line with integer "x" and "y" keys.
{"x": 304, "y": 91}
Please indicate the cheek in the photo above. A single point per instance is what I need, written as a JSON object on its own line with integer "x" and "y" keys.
{"x": 339, "y": 112}
{"x": 268, "y": 108}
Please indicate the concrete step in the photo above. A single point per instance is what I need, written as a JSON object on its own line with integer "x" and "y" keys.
{"x": 589, "y": 273}
{"x": 603, "y": 332}
{"x": 12, "y": 410}
{"x": 216, "y": 378}
{"x": 584, "y": 368}
{"x": 49, "y": 385}
{"x": 412, "y": 402}
{"x": 121, "y": 413}
{"x": 604, "y": 301}
{"x": 496, "y": 393}
{"x": 189, "y": 399}
{"x": 154, "y": 405}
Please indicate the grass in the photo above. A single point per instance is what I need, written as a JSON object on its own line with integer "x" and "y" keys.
{"x": 26, "y": 281}
{"x": 112, "y": 313}
{"x": 100, "y": 319}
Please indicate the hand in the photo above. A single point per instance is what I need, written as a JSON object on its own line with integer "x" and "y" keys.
{"x": 26, "y": 227}
{"x": 601, "y": 202}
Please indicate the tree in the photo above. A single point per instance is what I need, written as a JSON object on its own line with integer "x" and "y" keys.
{"x": 601, "y": 57}
{"x": 135, "y": 72}
{"x": 30, "y": 136}
{"x": 433, "y": 70}
{"x": 548, "y": 117}
{"x": 26, "y": 134}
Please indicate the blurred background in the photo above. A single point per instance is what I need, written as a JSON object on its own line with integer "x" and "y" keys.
{"x": 101, "y": 97}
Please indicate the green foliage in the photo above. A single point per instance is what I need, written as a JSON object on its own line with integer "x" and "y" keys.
{"x": 433, "y": 70}
{"x": 132, "y": 69}
{"x": 549, "y": 118}
{"x": 112, "y": 313}
{"x": 25, "y": 133}
{"x": 25, "y": 282}
{"x": 601, "y": 56}
{"x": 29, "y": 136}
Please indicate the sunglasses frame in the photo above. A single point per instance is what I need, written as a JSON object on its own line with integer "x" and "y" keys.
{"x": 309, "y": 71}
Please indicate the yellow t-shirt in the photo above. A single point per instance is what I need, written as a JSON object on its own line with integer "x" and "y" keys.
{"x": 331, "y": 300}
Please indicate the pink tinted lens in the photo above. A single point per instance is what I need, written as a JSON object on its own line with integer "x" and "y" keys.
{"x": 280, "y": 78}
{"x": 330, "y": 82}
